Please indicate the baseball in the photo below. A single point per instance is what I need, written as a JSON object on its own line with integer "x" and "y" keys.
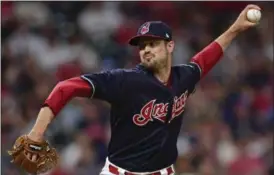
{"x": 254, "y": 15}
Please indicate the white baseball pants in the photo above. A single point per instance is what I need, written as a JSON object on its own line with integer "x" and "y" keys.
{"x": 111, "y": 169}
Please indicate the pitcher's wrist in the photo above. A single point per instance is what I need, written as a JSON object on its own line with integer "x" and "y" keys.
{"x": 36, "y": 136}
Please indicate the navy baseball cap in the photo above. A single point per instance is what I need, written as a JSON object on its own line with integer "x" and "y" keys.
{"x": 153, "y": 29}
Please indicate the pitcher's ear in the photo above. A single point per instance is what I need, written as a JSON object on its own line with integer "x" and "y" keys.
{"x": 170, "y": 46}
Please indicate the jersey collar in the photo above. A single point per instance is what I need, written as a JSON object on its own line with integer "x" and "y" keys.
{"x": 144, "y": 69}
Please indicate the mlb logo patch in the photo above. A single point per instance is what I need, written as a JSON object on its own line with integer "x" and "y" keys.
{"x": 145, "y": 28}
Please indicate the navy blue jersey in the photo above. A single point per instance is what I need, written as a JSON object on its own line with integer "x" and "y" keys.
{"x": 146, "y": 116}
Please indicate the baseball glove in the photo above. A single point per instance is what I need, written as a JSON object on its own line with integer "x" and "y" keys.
{"x": 47, "y": 157}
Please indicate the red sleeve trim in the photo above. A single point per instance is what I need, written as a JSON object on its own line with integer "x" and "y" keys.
{"x": 64, "y": 91}
{"x": 208, "y": 57}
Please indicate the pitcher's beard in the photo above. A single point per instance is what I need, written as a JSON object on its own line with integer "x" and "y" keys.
{"x": 154, "y": 66}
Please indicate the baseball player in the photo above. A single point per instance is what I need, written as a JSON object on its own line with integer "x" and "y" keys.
{"x": 147, "y": 103}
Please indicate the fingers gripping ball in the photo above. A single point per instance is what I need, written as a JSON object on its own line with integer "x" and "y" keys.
{"x": 47, "y": 157}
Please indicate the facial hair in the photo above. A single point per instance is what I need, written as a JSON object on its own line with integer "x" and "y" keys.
{"x": 156, "y": 65}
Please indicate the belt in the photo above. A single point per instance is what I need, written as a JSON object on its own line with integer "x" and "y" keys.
{"x": 115, "y": 170}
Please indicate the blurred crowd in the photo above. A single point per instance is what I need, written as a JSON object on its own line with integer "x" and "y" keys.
{"x": 228, "y": 124}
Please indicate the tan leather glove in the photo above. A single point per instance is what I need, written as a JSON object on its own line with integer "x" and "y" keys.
{"x": 47, "y": 157}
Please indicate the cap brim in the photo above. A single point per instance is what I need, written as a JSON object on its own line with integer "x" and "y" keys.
{"x": 134, "y": 41}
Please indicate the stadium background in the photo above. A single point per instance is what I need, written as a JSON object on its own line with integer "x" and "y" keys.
{"x": 226, "y": 129}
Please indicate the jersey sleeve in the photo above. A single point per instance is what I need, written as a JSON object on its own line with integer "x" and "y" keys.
{"x": 191, "y": 73}
{"x": 64, "y": 91}
{"x": 107, "y": 85}
{"x": 201, "y": 64}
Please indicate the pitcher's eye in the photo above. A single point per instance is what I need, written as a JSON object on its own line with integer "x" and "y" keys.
{"x": 142, "y": 46}
{"x": 155, "y": 43}
{"x": 151, "y": 44}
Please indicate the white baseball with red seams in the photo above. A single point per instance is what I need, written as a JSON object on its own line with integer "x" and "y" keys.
{"x": 254, "y": 15}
